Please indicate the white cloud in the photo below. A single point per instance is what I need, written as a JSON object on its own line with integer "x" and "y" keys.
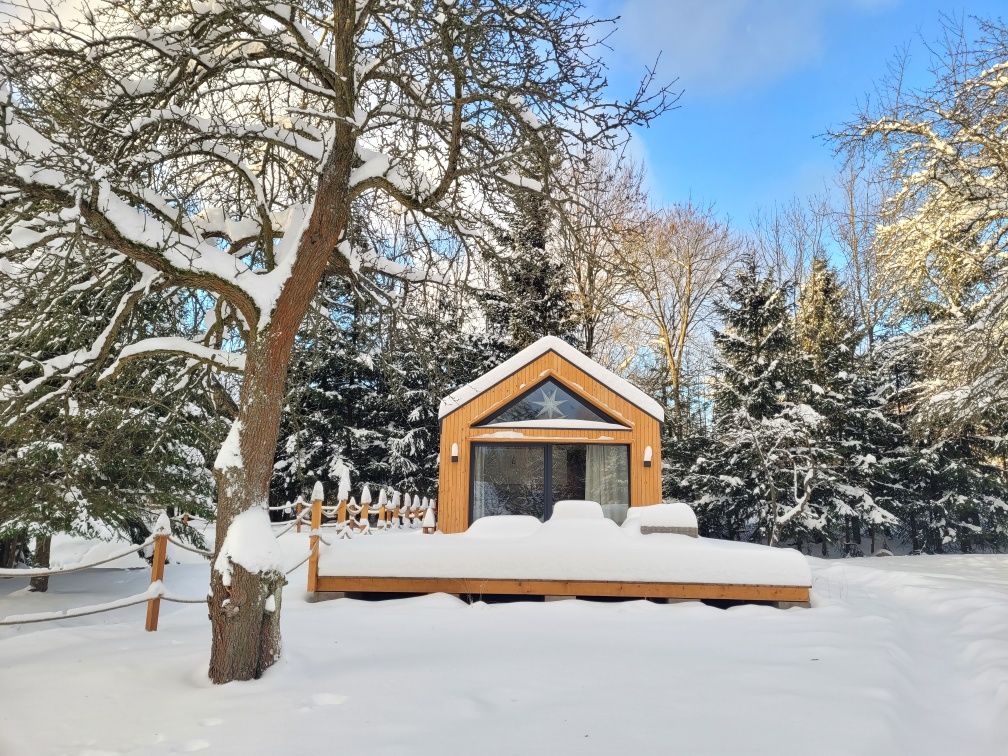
{"x": 724, "y": 46}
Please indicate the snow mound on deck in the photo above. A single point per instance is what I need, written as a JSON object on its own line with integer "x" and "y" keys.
{"x": 675, "y": 514}
{"x": 577, "y": 509}
{"x": 504, "y": 526}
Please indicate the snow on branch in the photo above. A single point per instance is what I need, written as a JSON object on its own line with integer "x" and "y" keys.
{"x": 176, "y": 345}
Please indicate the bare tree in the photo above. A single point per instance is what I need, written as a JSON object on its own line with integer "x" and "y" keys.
{"x": 247, "y": 150}
{"x": 854, "y": 216}
{"x": 672, "y": 273}
{"x": 606, "y": 211}
{"x": 788, "y": 237}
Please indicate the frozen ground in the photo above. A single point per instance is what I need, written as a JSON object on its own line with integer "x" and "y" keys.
{"x": 905, "y": 655}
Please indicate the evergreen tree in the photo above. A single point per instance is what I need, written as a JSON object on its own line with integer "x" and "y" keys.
{"x": 100, "y": 459}
{"x": 370, "y": 403}
{"x": 855, "y": 434}
{"x": 947, "y": 490}
{"x": 761, "y": 465}
{"x": 533, "y": 296}
{"x": 336, "y": 407}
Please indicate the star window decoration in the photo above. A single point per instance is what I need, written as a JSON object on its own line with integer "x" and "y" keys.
{"x": 550, "y": 404}
{"x": 548, "y": 401}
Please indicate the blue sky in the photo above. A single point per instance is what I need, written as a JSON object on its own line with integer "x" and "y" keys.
{"x": 763, "y": 80}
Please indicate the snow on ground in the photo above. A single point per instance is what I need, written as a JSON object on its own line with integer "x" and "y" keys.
{"x": 898, "y": 655}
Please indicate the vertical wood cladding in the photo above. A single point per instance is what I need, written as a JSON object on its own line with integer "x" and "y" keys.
{"x": 643, "y": 430}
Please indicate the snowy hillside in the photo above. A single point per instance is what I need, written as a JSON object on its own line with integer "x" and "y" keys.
{"x": 900, "y": 655}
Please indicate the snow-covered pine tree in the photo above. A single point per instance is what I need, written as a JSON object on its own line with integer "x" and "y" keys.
{"x": 530, "y": 293}
{"x": 756, "y": 476}
{"x": 949, "y": 490}
{"x": 100, "y": 460}
{"x": 336, "y": 409}
{"x": 415, "y": 363}
{"x": 855, "y": 435}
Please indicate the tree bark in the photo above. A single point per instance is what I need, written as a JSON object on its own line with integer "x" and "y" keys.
{"x": 43, "y": 547}
{"x": 245, "y": 615}
{"x": 9, "y": 550}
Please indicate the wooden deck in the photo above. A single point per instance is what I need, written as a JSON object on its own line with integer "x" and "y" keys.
{"x": 469, "y": 586}
{"x": 617, "y": 589}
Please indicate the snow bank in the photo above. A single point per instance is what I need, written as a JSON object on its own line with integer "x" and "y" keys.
{"x": 504, "y": 526}
{"x": 566, "y": 549}
{"x": 249, "y": 543}
{"x": 911, "y": 650}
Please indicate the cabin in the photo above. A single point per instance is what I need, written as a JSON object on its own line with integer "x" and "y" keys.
{"x": 550, "y": 486}
{"x": 546, "y": 425}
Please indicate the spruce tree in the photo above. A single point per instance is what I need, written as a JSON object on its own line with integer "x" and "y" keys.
{"x": 336, "y": 408}
{"x": 532, "y": 297}
{"x": 948, "y": 491}
{"x": 855, "y": 435}
{"x": 755, "y": 478}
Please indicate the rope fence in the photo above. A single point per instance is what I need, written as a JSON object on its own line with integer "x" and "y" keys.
{"x": 67, "y": 569}
{"x": 152, "y": 596}
{"x": 188, "y": 547}
{"x": 350, "y": 517}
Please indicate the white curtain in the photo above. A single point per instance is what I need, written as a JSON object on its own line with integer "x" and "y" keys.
{"x": 607, "y": 479}
{"x": 480, "y": 484}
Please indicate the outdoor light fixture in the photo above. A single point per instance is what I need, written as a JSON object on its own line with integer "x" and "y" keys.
{"x": 454, "y": 452}
{"x": 647, "y": 456}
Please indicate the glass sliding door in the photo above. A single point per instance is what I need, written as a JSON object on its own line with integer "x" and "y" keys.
{"x": 596, "y": 472}
{"x": 508, "y": 479}
{"x": 568, "y": 472}
{"x": 524, "y": 478}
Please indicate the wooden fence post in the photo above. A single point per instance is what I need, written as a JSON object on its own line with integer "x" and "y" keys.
{"x": 298, "y": 509}
{"x": 162, "y": 529}
{"x": 313, "y": 540}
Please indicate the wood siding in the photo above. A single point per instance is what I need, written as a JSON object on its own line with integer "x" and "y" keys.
{"x": 642, "y": 431}
{"x": 481, "y": 586}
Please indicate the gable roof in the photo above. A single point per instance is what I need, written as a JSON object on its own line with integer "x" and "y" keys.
{"x": 621, "y": 386}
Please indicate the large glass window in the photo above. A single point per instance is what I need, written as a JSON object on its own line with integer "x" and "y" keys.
{"x": 508, "y": 479}
{"x": 527, "y": 478}
{"x": 549, "y": 403}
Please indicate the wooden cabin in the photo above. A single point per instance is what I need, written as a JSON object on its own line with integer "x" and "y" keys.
{"x": 546, "y": 425}
{"x": 551, "y": 425}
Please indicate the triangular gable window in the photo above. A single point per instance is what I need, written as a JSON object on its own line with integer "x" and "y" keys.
{"x": 549, "y": 405}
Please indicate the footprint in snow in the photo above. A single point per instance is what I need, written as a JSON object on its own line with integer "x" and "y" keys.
{"x": 211, "y": 721}
{"x": 196, "y": 745}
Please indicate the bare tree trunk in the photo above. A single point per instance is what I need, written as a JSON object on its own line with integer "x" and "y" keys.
{"x": 43, "y": 547}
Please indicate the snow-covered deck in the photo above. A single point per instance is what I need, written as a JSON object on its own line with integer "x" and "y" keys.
{"x": 572, "y": 557}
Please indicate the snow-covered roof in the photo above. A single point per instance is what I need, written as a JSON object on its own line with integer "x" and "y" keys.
{"x": 621, "y": 386}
